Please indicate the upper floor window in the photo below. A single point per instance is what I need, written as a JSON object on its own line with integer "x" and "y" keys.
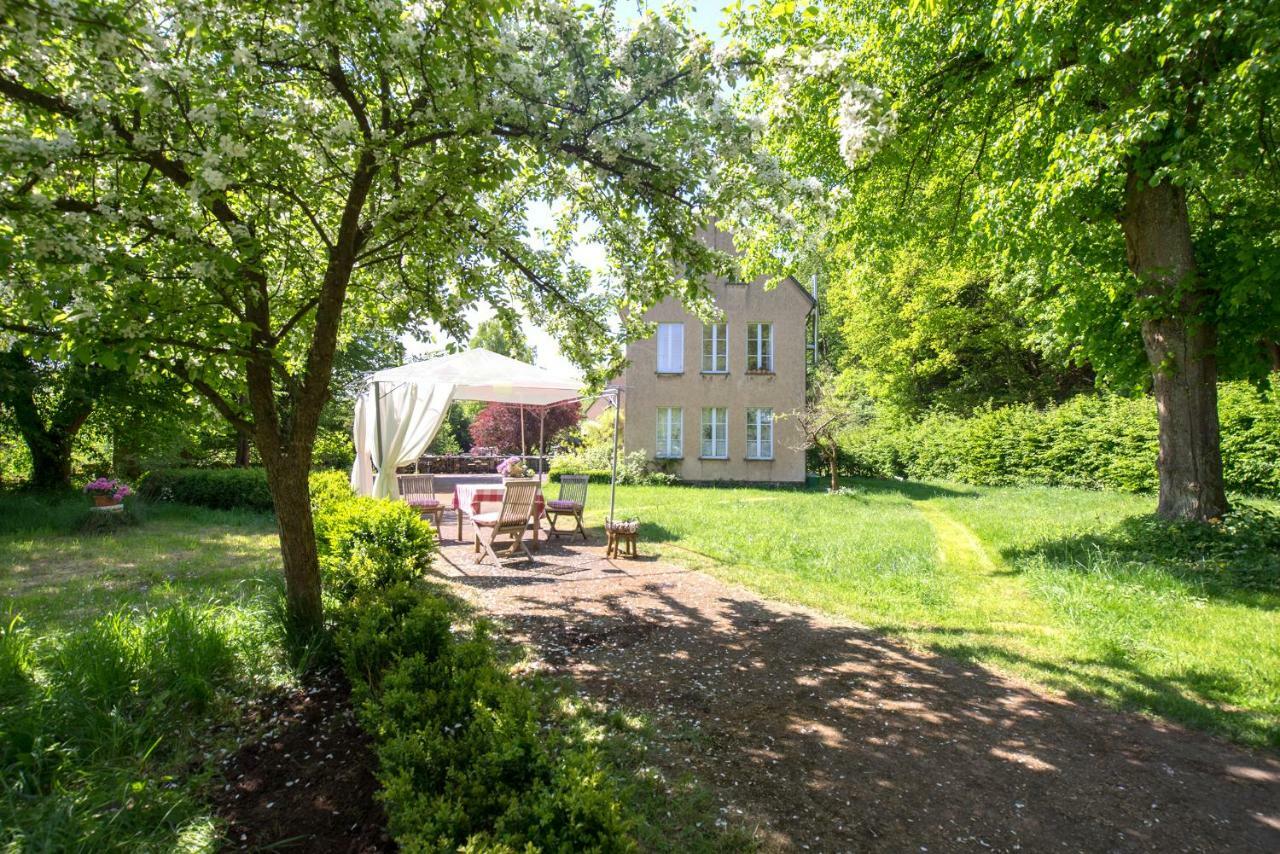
{"x": 715, "y": 348}
{"x": 760, "y": 347}
{"x": 715, "y": 433}
{"x": 759, "y": 434}
{"x": 670, "y": 348}
{"x": 670, "y": 439}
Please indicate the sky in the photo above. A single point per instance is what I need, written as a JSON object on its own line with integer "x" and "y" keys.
{"x": 706, "y": 17}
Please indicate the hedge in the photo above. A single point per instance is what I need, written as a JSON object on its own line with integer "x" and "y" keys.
{"x": 1092, "y": 441}
{"x": 218, "y": 489}
{"x": 469, "y": 758}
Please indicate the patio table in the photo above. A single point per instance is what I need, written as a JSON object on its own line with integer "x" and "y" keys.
{"x": 469, "y": 498}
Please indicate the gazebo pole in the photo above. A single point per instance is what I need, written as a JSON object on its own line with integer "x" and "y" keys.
{"x": 613, "y": 476}
{"x": 542, "y": 442}
{"x": 524, "y": 447}
{"x": 377, "y": 424}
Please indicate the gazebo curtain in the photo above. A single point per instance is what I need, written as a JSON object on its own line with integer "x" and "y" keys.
{"x": 408, "y": 416}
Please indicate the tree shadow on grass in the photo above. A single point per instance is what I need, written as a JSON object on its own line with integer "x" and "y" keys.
{"x": 836, "y": 738}
{"x": 1237, "y": 559}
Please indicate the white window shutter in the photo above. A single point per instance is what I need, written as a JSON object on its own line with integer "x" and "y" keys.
{"x": 670, "y": 348}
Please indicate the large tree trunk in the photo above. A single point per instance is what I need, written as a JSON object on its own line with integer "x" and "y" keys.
{"x": 49, "y": 441}
{"x": 287, "y": 479}
{"x": 50, "y": 459}
{"x": 1180, "y": 347}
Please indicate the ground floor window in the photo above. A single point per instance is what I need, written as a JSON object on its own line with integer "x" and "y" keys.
{"x": 670, "y": 430}
{"x": 715, "y": 432}
{"x": 759, "y": 434}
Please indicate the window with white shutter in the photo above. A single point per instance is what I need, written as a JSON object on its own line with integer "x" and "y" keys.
{"x": 759, "y": 434}
{"x": 715, "y": 433}
{"x": 670, "y": 348}
{"x": 670, "y": 433}
{"x": 760, "y": 347}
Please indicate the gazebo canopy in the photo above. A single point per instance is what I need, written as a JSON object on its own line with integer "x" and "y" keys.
{"x": 401, "y": 409}
{"x": 484, "y": 375}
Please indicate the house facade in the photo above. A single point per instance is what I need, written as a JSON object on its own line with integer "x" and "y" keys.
{"x": 704, "y": 400}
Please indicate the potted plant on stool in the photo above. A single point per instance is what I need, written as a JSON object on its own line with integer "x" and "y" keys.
{"x": 107, "y": 491}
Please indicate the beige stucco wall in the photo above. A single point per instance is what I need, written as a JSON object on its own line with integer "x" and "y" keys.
{"x": 786, "y": 306}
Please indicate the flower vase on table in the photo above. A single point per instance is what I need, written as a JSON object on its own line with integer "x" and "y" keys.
{"x": 513, "y": 468}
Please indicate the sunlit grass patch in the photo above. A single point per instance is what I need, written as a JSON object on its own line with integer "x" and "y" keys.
{"x": 1082, "y": 591}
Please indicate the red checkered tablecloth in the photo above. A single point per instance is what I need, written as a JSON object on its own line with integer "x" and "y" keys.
{"x": 473, "y": 496}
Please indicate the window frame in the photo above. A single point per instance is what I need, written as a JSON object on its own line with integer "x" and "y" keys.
{"x": 678, "y": 351}
{"x": 754, "y": 425}
{"x": 662, "y": 424}
{"x": 709, "y": 358}
{"x": 719, "y": 431}
{"x": 758, "y": 341}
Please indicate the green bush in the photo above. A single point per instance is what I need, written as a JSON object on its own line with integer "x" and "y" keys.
{"x": 371, "y": 543}
{"x": 596, "y": 463}
{"x": 329, "y": 488}
{"x": 1091, "y": 441}
{"x": 218, "y": 489}
{"x": 468, "y": 756}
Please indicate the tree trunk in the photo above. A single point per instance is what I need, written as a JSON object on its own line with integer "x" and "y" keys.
{"x": 50, "y": 459}
{"x": 242, "y": 451}
{"x": 287, "y": 480}
{"x": 242, "y": 442}
{"x": 49, "y": 442}
{"x": 833, "y": 464}
{"x": 1180, "y": 347}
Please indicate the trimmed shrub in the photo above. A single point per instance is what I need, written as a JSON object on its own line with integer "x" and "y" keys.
{"x": 469, "y": 758}
{"x": 1091, "y": 441}
{"x": 328, "y": 489}
{"x": 370, "y": 543}
{"x": 217, "y": 489}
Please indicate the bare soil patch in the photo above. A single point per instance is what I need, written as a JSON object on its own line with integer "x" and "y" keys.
{"x": 824, "y": 736}
{"x": 308, "y": 783}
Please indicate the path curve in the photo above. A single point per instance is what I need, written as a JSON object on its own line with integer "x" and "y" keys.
{"x": 828, "y": 737}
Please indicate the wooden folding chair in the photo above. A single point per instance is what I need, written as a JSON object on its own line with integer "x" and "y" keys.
{"x": 419, "y": 492}
{"x": 572, "y": 501}
{"x": 510, "y": 521}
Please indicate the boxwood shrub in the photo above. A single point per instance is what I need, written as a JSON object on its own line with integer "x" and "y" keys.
{"x": 1092, "y": 441}
{"x": 469, "y": 758}
{"x": 218, "y": 489}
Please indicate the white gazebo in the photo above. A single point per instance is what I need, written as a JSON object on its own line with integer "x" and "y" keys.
{"x": 401, "y": 409}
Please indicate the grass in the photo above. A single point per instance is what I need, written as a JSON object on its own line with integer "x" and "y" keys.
{"x": 1080, "y": 591}
{"x": 120, "y": 656}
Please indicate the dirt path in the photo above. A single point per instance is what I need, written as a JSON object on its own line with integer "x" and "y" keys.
{"x": 826, "y": 737}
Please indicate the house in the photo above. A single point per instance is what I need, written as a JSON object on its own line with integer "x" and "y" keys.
{"x": 704, "y": 400}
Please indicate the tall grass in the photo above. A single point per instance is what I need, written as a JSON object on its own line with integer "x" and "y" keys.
{"x": 99, "y": 726}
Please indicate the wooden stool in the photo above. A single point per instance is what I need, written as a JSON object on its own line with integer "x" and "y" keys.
{"x": 621, "y": 539}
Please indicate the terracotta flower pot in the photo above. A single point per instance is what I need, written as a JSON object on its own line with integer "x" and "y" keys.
{"x": 105, "y": 501}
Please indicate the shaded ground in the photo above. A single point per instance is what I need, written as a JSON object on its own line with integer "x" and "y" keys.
{"x": 827, "y": 737}
{"x": 308, "y": 784}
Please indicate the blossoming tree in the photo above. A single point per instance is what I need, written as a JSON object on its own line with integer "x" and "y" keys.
{"x": 242, "y": 184}
{"x": 1123, "y": 151}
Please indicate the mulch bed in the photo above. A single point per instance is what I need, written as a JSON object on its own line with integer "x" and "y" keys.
{"x": 308, "y": 782}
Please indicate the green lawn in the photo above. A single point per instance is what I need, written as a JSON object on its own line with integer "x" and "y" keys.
{"x": 1077, "y": 590}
